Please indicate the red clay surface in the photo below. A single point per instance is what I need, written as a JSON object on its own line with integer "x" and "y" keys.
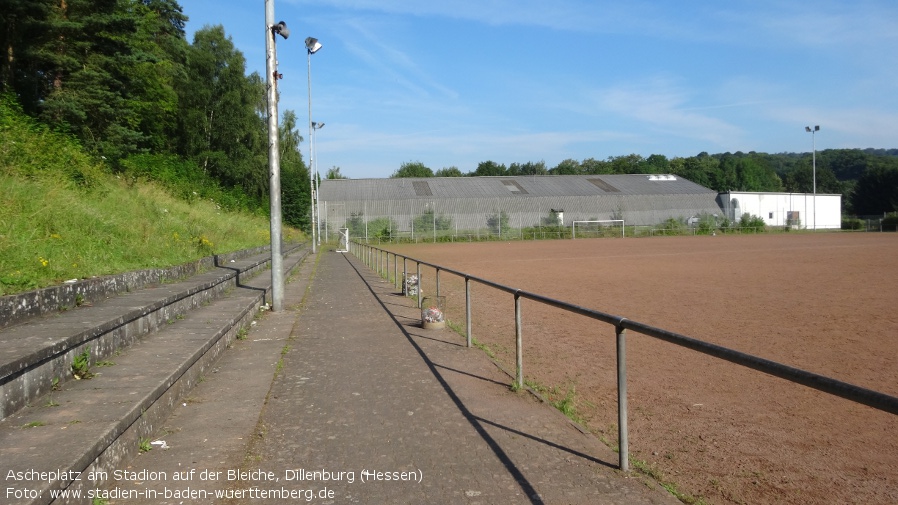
{"x": 826, "y": 303}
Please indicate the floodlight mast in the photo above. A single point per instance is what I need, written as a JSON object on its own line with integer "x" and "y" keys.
{"x": 274, "y": 162}
{"x": 312, "y": 46}
{"x": 814, "y": 165}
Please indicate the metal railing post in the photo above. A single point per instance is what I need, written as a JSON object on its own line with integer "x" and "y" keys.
{"x": 396, "y": 270}
{"x": 438, "y": 282}
{"x": 468, "y": 309}
{"x": 404, "y": 276}
{"x": 419, "y": 284}
{"x": 624, "y": 451}
{"x": 519, "y": 341}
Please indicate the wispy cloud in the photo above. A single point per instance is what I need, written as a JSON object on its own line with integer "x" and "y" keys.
{"x": 853, "y": 127}
{"x": 393, "y": 63}
{"x": 662, "y": 106}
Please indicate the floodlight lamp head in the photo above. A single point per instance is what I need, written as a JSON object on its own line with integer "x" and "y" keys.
{"x": 807, "y": 129}
{"x": 281, "y": 29}
{"x": 312, "y": 45}
{"x": 817, "y": 128}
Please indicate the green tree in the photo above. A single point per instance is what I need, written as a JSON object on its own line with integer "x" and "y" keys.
{"x": 801, "y": 180}
{"x": 629, "y": 164}
{"x": 334, "y": 173}
{"x": 876, "y": 191}
{"x": 657, "y": 164}
{"x": 490, "y": 168}
{"x": 449, "y": 172}
{"x": 429, "y": 221}
{"x": 160, "y": 57}
{"x": 296, "y": 201}
{"x": 595, "y": 167}
{"x": 89, "y": 85}
{"x": 412, "y": 169}
{"x": 25, "y": 35}
{"x": 567, "y": 167}
{"x": 700, "y": 169}
{"x": 220, "y": 126}
{"x": 529, "y": 168}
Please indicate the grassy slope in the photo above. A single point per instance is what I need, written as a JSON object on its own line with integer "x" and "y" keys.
{"x": 63, "y": 216}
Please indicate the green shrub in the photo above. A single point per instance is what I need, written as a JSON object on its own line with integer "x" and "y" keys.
{"x": 498, "y": 223}
{"x": 850, "y": 223}
{"x": 672, "y": 226}
{"x": 890, "y": 222}
{"x": 752, "y": 223}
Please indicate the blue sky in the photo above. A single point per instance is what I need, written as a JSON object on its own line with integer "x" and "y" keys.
{"x": 457, "y": 82}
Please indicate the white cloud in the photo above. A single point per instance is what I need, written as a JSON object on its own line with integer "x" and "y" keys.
{"x": 843, "y": 128}
{"x": 388, "y": 60}
{"x": 661, "y": 106}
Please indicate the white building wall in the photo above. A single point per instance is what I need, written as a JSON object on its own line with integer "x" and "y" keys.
{"x": 813, "y": 211}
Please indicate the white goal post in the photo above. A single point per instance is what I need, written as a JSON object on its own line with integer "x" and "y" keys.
{"x": 598, "y": 224}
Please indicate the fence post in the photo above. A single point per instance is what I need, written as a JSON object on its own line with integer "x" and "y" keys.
{"x": 519, "y": 341}
{"x": 396, "y": 269}
{"x": 438, "y": 282}
{"x": 419, "y": 284}
{"x": 404, "y": 276}
{"x": 468, "y": 309}
{"x": 623, "y": 452}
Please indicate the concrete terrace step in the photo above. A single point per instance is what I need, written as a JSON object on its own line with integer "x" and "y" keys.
{"x": 38, "y": 352}
{"x": 94, "y": 424}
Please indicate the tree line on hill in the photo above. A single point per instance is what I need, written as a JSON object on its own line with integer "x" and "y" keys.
{"x": 867, "y": 179}
{"x": 121, "y": 76}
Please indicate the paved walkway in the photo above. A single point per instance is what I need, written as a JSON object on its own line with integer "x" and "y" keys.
{"x": 364, "y": 390}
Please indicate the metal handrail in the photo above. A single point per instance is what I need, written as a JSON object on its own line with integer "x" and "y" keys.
{"x": 857, "y": 394}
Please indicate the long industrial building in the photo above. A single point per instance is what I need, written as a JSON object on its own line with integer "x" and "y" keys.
{"x": 465, "y": 205}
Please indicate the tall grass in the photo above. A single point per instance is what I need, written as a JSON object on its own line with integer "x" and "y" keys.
{"x": 64, "y": 216}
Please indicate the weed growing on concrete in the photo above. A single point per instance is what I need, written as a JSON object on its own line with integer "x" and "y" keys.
{"x": 81, "y": 366}
{"x": 242, "y": 333}
{"x": 33, "y": 424}
{"x": 144, "y": 445}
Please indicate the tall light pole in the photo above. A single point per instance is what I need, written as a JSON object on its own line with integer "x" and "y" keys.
{"x": 274, "y": 160}
{"x": 312, "y": 47}
{"x": 317, "y": 126}
{"x": 814, "y": 164}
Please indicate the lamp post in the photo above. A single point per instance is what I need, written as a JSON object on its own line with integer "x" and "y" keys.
{"x": 316, "y": 126}
{"x": 274, "y": 161}
{"x": 813, "y": 133}
{"x": 312, "y": 47}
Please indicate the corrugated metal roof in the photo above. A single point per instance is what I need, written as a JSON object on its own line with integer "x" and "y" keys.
{"x": 501, "y": 187}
